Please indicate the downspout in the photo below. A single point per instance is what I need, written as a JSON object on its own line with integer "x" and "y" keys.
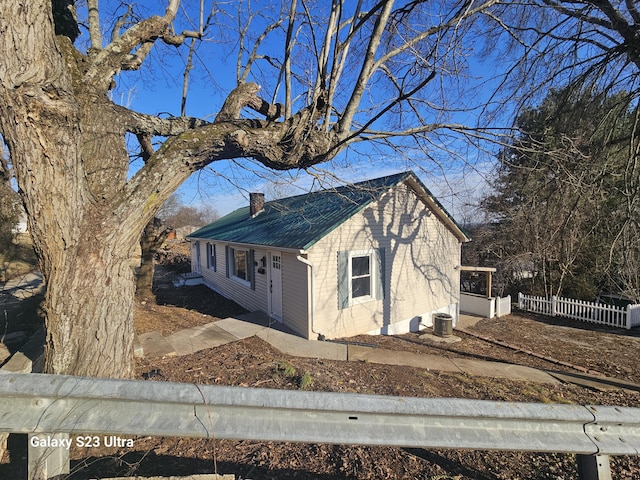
{"x": 311, "y": 297}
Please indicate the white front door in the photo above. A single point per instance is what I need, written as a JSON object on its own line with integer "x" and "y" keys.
{"x": 275, "y": 285}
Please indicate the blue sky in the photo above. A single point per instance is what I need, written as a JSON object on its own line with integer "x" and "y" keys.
{"x": 457, "y": 178}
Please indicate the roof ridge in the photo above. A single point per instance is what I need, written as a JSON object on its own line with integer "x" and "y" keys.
{"x": 344, "y": 186}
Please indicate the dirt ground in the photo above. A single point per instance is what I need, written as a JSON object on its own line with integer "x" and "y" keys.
{"x": 254, "y": 363}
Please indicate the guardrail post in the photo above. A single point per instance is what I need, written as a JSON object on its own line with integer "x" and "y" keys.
{"x": 593, "y": 467}
{"x": 48, "y": 455}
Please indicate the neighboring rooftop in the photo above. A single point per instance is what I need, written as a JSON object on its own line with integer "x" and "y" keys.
{"x": 299, "y": 222}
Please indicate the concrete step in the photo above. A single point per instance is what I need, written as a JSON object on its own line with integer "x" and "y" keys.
{"x": 239, "y": 328}
{"x": 192, "y": 340}
{"x": 155, "y": 345}
{"x": 30, "y": 358}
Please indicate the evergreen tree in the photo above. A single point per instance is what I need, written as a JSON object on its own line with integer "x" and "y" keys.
{"x": 563, "y": 197}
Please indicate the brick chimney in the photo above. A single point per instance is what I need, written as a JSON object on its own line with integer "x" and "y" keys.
{"x": 256, "y": 203}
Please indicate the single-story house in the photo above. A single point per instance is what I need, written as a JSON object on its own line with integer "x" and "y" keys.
{"x": 378, "y": 257}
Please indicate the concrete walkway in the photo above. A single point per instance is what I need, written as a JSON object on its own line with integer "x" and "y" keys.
{"x": 218, "y": 333}
{"x": 21, "y": 287}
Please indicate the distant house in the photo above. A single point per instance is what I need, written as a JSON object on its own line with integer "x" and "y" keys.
{"x": 377, "y": 257}
{"x": 182, "y": 233}
{"x": 22, "y": 226}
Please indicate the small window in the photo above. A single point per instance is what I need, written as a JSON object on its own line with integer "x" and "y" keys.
{"x": 239, "y": 264}
{"x": 211, "y": 256}
{"x": 361, "y": 276}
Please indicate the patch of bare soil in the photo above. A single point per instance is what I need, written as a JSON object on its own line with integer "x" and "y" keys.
{"x": 253, "y": 363}
{"x": 197, "y": 305}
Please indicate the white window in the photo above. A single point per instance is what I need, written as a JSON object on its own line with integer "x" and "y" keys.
{"x": 239, "y": 265}
{"x": 211, "y": 256}
{"x": 360, "y": 276}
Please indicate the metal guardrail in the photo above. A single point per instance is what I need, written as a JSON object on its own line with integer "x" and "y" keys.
{"x": 56, "y": 404}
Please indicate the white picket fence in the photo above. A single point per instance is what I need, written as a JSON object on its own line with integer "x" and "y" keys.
{"x": 610, "y": 315}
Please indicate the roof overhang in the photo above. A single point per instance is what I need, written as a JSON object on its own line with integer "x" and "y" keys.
{"x": 254, "y": 246}
{"x": 467, "y": 268}
{"x": 435, "y": 206}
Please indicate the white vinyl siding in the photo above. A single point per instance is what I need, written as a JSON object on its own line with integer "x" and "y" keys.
{"x": 295, "y": 304}
{"x": 295, "y": 295}
{"x": 252, "y": 296}
{"x": 418, "y": 259}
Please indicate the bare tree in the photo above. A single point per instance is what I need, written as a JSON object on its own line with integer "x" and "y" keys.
{"x": 584, "y": 47}
{"x": 172, "y": 215}
{"x": 66, "y": 137}
{"x": 548, "y": 44}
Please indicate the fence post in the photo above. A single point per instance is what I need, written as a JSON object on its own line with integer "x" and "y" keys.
{"x": 593, "y": 467}
{"x": 47, "y": 461}
{"x": 553, "y": 305}
{"x": 520, "y": 301}
{"x": 627, "y": 318}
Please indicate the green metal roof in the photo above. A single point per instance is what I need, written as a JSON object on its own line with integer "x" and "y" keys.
{"x": 299, "y": 222}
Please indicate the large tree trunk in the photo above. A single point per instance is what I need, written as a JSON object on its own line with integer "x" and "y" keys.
{"x": 64, "y": 157}
{"x": 90, "y": 332}
{"x": 67, "y": 145}
{"x": 85, "y": 248}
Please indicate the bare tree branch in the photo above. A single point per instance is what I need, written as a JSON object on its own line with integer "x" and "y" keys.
{"x": 122, "y": 20}
{"x": 339, "y": 60}
{"x": 289, "y": 43}
{"x": 145, "y": 146}
{"x": 94, "y": 25}
{"x": 152, "y": 125}
{"x": 366, "y": 70}
{"x": 633, "y": 11}
{"x": 246, "y": 95}
{"x": 254, "y": 52}
{"x": 110, "y": 59}
{"x": 185, "y": 82}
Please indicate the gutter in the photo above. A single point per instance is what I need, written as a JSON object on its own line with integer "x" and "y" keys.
{"x": 311, "y": 297}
